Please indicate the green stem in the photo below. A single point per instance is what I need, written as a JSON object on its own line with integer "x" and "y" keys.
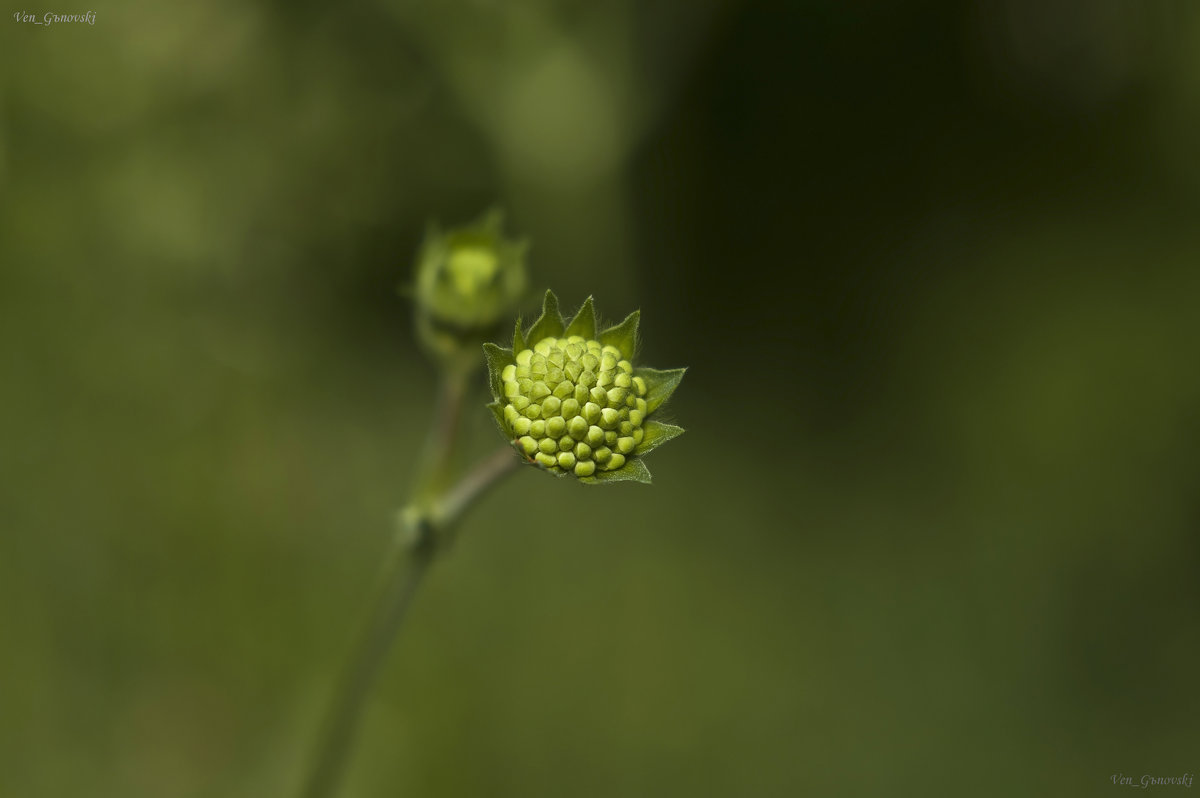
{"x": 442, "y": 442}
{"x": 400, "y": 586}
{"x": 486, "y": 474}
{"x": 427, "y": 529}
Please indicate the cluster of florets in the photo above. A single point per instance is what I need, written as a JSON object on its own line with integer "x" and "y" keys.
{"x": 569, "y": 399}
{"x": 574, "y": 405}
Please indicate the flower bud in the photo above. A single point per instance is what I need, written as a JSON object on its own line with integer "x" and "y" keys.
{"x": 468, "y": 280}
{"x": 572, "y": 401}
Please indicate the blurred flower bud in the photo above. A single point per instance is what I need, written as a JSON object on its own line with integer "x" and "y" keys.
{"x": 469, "y": 279}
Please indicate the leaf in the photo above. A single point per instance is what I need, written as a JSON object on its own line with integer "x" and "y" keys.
{"x": 584, "y": 323}
{"x": 624, "y": 335}
{"x": 634, "y": 470}
{"x": 497, "y": 359}
{"x": 659, "y": 385}
{"x": 656, "y": 434}
{"x": 550, "y": 323}
{"x": 518, "y": 338}
{"x": 498, "y": 411}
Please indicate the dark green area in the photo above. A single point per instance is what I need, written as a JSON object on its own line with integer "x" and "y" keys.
{"x": 935, "y": 525}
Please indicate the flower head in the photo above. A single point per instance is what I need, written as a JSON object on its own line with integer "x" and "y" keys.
{"x": 571, "y": 401}
{"x": 468, "y": 280}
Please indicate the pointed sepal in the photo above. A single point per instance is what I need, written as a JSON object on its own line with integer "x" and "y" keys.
{"x": 518, "y": 338}
{"x": 549, "y": 324}
{"x": 624, "y": 335}
{"x": 633, "y": 471}
{"x": 584, "y": 323}
{"x": 497, "y": 359}
{"x": 655, "y": 434}
{"x": 498, "y": 412}
{"x": 660, "y": 384}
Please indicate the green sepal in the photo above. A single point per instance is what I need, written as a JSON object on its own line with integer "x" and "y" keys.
{"x": 584, "y": 323}
{"x": 660, "y": 385}
{"x": 498, "y": 411}
{"x": 624, "y": 335}
{"x": 549, "y": 324}
{"x": 491, "y": 222}
{"x": 634, "y": 470}
{"x": 655, "y": 434}
{"x": 497, "y": 359}
{"x": 518, "y": 338}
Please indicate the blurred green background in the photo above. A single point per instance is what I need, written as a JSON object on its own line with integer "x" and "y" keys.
{"x": 934, "y": 266}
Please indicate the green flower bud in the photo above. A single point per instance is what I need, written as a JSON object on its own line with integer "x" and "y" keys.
{"x": 572, "y": 401}
{"x": 577, "y": 427}
{"x": 591, "y": 413}
{"x": 468, "y": 281}
{"x": 556, "y": 426}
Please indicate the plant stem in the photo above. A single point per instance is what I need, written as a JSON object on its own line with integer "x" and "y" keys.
{"x": 487, "y": 473}
{"x": 404, "y": 576}
{"x": 442, "y": 441}
{"x": 428, "y": 529}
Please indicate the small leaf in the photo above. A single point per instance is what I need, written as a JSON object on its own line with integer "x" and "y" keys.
{"x": 659, "y": 385}
{"x": 497, "y": 359}
{"x": 518, "y": 338}
{"x": 633, "y": 471}
{"x": 624, "y": 335}
{"x": 656, "y": 434}
{"x": 550, "y": 323}
{"x": 584, "y": 323}
{"x": 498, "y": 411}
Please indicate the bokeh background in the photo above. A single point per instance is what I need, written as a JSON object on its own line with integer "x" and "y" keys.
{"x": 934, "y": 268}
